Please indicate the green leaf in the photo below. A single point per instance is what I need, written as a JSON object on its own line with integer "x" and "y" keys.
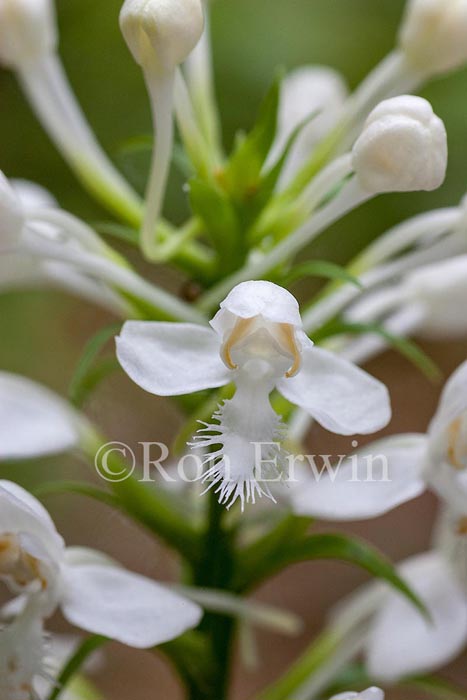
{"x": 74, "y": 665}
{"x": 410, "y": 350}
{"x": 213, "y": 206}
{"x": 87, "y": 375}
{"x": 320, "y": 268}
{"x": 437, "y": 688}
{"x": 243, "y": 173}
{"x": 255, "y": 566}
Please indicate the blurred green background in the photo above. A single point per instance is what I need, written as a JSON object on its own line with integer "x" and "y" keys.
{"x": 43, "y": 332}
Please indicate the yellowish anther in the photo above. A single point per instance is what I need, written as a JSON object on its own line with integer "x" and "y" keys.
{"x": 22, "y": 567}
{"x": 237, "y": 334}
{"x": 289, "y": 342}
{"x": 454, "y": 443}
{"x": 462, "y": 526}
{"x": 10, "y": 553}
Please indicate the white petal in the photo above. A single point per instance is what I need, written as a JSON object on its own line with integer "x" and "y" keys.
{"x": 125, "y": 606}
{"x": 169, "y": 359}
{"x": 33, "y": 420}
{"x": 453, "y": 401}
{"x": 22, "y": 514}
{"x": 402, "y": 641}
{"x": 369, "y": 694}
{"x": 257, "y": 298}
{"x": 341, "y": 397}
{"x": 32, "y": 196}
{"x": 367, "y": 484}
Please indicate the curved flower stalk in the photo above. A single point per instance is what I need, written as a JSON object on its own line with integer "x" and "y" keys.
{"x": 255, "y": 341}
{"x": 160, "y": 35}
{"x": 28, "y": 45}
{"x": 316, "y": 92}
{"x": 90, "y": 589}
{"x": 45, "y": 242}
{"x": 402, "y": 148}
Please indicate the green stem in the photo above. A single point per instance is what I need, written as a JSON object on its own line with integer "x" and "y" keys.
{"x": 215, "y": 571}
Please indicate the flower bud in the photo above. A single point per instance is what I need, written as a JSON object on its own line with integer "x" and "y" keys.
{"x": 27, "y": 30}
{"x": 161, "y": 33}
{"x": 441, "y": 292}
{"x": 433, "y": 35}
{"x": 402, "y": 148}
{"x": 11, "y": 215}
{"x": 310, "y": 90}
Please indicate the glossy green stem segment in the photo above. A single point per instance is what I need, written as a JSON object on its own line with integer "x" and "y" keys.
{"x": 148, "y": 504}
{"x": 215, "y": 570}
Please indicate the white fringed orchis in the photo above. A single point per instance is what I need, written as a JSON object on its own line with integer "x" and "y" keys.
{"x": 310, "y": 90}
{"x": 160, "y": 34}
{"x": 402, "y": 148}
{"x": 369, "y": 694}
{"x": 256, "y": 342}
{"x": 409, "y": 462}
{"x": 44, "y": 243}
{"x": 28, "y": 45}
{"x": 90, "y": 589}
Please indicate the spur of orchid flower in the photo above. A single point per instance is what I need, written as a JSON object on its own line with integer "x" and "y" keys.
{"x": 255, "y": 341}
{"x": 91, "y": 590}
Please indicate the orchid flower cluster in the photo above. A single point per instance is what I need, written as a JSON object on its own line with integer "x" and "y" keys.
{"x": 248, "y": 367}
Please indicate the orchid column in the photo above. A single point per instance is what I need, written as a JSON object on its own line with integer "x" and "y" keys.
{"x": 160, "y": 35}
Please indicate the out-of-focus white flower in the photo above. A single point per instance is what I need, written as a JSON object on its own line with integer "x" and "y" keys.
{"x": 92, "y": 591}
{"x": 402, "y": 148}
{"x": 396, "y": 469}
{"x": 433, "y": 35}
{"x": 439, "y": 291}
{"x": 307, "y": 91}
{"x": 369, "y": 694}
{"x": 27, "y": 31}
{"x": 161, "y": 33}
{"x": 11, "y": 215}
{"x": 34, "y": 421}
{"x": 257, "y": 342}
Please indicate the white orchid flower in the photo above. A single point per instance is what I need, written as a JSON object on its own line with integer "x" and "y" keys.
{"x": 90, "y": 589}
{"x": 369, "y": 694}
{"x": 402, "y": 467}
{"x": 256, "y": 341}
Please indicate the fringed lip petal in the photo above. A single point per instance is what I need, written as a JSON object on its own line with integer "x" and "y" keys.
{"x": 341, "y": 397}
{"x": 171, "y": 359}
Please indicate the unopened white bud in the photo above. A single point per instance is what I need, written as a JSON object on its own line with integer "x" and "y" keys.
{"x": 11, "y": 215}
{"x": 440, "y": 290}
{"x": 433, "y": 34}
{"x": 28, "y": 30}
{"x": 161, "y": 33}
{"x": 402, "y": 148}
